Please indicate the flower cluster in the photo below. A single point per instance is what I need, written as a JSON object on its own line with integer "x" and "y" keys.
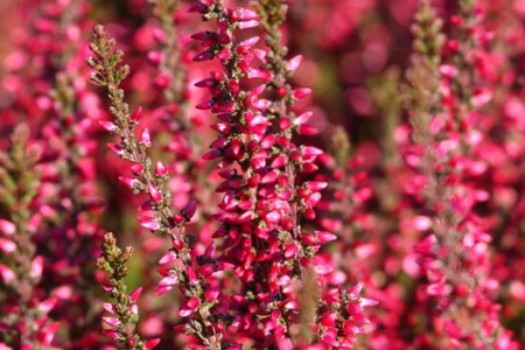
{"x": 265, "y": 194}
{"x": 123, "y": 314}
{"x": 60, "y": 234}
{"x": 182, "y": 265}
{"x": 25, "y": 321}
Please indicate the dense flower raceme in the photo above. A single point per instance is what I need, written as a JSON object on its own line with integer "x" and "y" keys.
{"x": 64, "y": 234}
{"x": 455, "y": 255}
{"x": 263, "y": 240}
{"x": 183, "y": 265}
{"x": 25, "y": 322}
{"x": 123, "y": 314}
{"x": 264, "y": 197}
{"x": 504, "y": 158}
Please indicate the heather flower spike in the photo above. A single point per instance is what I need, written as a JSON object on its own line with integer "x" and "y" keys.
{"x": 20, "y": 268}
{"x": 455, "y": 240}
{"x": 122, "y": 316}
{"x": 274, "y": 246}
{"x": 110, "y": 73}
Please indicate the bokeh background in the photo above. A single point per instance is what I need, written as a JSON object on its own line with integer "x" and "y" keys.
{"x": 355, "y": 55}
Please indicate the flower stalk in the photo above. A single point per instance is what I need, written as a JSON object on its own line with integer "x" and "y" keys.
{"x": 182, "y": 265}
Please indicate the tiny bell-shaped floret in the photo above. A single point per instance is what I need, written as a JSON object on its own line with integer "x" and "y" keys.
{"x": 160, "y": 169}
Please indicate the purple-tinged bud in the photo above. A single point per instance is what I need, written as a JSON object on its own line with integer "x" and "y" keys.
{"x": 259, "y": 74}
{"x": 152, "y": 343}
{"x": 155, "y": 57}
{"x": 7, "y": 246}
{"x": 224, "y": 108}
{"x": 159, "y": 35}
{"x": 108, "y": 126}
{"x": 279, "y": 161}
{"x": 206, "y": 83}
{"x": 160, "y": 169}
{"x": 111, "y": 333}
{"x": 324, "y": 237}
{"x": 37, "y": 266}
{"x": 316, "y": 185}
{"x": 168, "y": 281}
{"x": 206, "y": 270}
{"x": 284, "y": 123}
{"x": 301, "y": 93}
{"x": 205, "y": 105}
{"x": 248, "y": 24}
{"x": 203, "y": 56}
{"x": 328, "y": 319}
{"x": 294, "y": 63}
{"x": 137, "y": 168}
{"x": 154, "y": 194}
{"x": 7, "y": 274}
{"x": 220, "y": 142}
{"x": 257, "y": 91}
{"x": 213, "y": 154}
{"x": 137, "y": 114}
{"x": 303, "y": 118}
{"x": 198, "y": 7}
{"x": 270, "y": 177}
{"x": 354, "y": 292}
{"x": 201, "y": 36}
{"x": 211, "y": 294}
{"x": 292, "y": 305}
{"x": 243, "y": 15}
{"x": 234, "y": 86}
{"x": 145, "y": 137}
{"x": 135, "y": 295}
{"x": 113, "y": 322}
{"x": 366, "y": 302}
{"x": 109, "y": 308}
{"x": 169, "y": 257}
{"x": 307, "y": 129}
{"x": 46, "y": 334}
{"x": 190, "y": 305}
{"x": 128, "y": 181}
{"x": 189, "y": 210}
{"x": 224, "y": 54}
{"x": 309, "y": 151}
{"x": 247, "y": 44}
{"x": 291, "y": 250}
{"x": 308, "y": 168}
{"x": 268, "y": 141}
{"x": 309, "y": 214}
{"x": 7, "y": 227}
{"x": 150, "y": 223}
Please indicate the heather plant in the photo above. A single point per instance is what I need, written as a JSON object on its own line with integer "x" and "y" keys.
{"x": 182, "y": 266}
{"x": 463, "y": 305}
{"x": 25, "y": 320}
{"x": 284, "y": 175}
{"x": 68, "y": 235}
{"x": 443, "y": 119}
{"x": 264, "y": 195}
{"x": 123, "y": 312}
